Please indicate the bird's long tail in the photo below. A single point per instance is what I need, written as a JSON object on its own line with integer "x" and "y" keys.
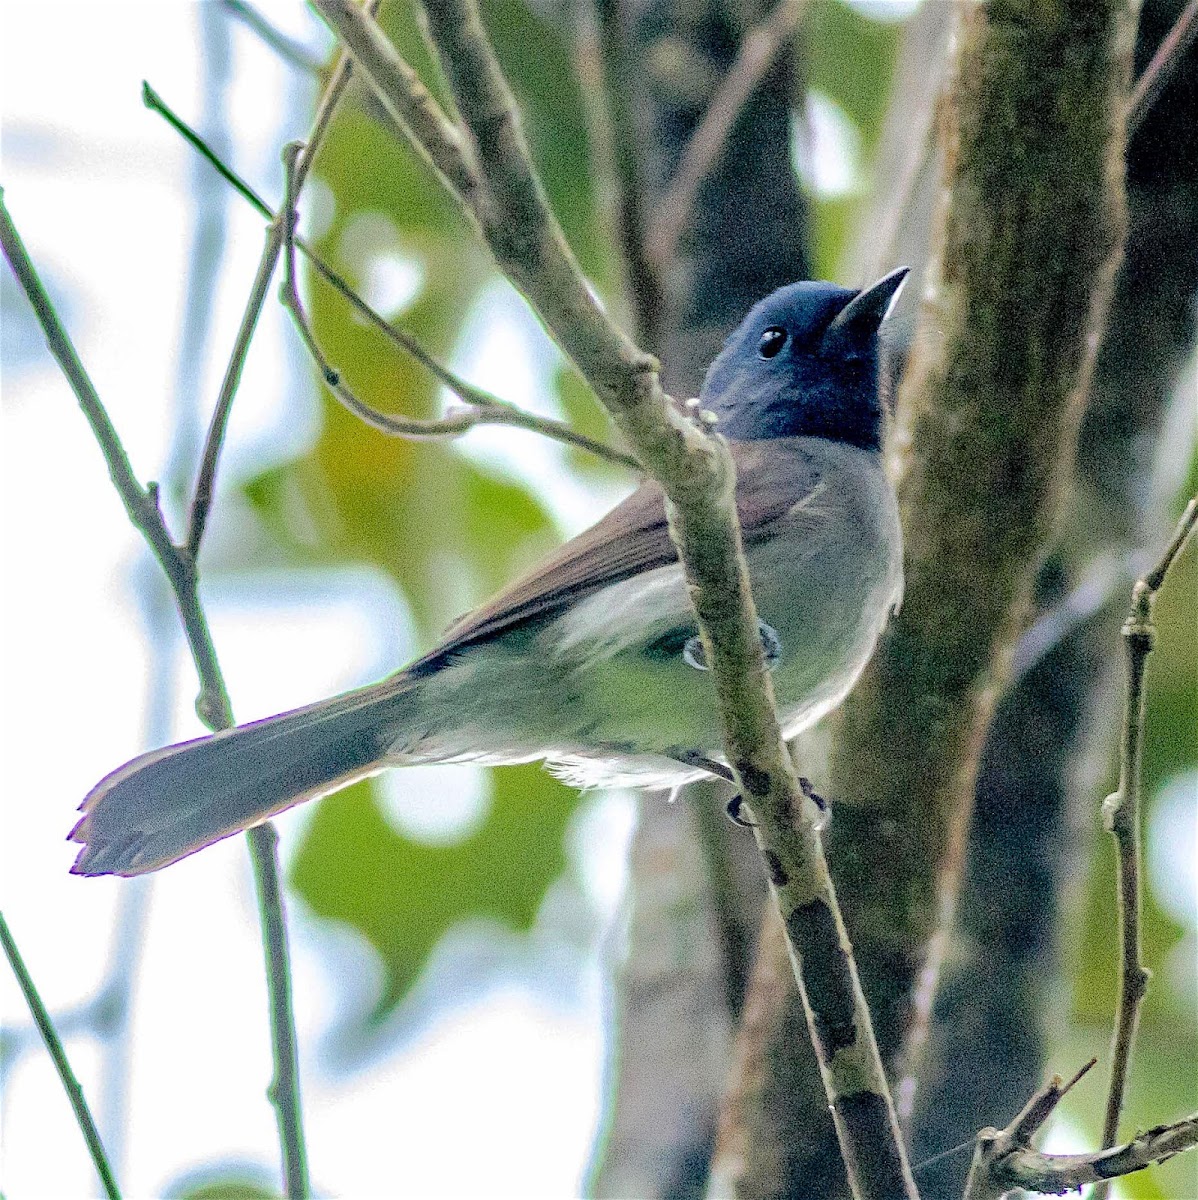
{"x": 171, "y": 802}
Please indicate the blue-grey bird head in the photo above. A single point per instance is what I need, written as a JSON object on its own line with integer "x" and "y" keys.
{"x": 804, "y": 362}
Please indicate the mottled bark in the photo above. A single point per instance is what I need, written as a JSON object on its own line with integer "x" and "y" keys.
{"x": 987, "y": 1039}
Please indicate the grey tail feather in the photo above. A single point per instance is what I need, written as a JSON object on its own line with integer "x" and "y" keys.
{"x": 169, "y": 803}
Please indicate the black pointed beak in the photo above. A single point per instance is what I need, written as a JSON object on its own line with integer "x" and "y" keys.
{"x": 856, "y": 324}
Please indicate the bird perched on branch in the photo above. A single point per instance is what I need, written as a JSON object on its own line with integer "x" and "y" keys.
{"x": 592, "y": 660}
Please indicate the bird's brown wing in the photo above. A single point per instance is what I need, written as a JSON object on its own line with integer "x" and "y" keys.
{"x": 632, "y": 538}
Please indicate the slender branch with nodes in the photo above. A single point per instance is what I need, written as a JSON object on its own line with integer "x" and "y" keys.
{"x": 480, "y": 408}
{"x": 1004, "y": 1159}
{"x": 201, "y": 502}
{"x": 1121, "y": 818}
{"x": 213, "y": 705}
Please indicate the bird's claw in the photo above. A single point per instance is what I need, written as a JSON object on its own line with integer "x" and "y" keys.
{"x": 811, "y": 794}
{"x": 733, "y": 809}
{"x": 771, "y": 647}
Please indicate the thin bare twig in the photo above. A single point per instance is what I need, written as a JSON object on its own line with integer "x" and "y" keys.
{"x": 45, "y": 1026}
{"x": 212, "y": 704}
{"x": 201, "y": 502}
{"x": 284, "y": 1088}
{"x": 155, "y": 103}
{"x": 1102, "y": 580}
{"x": 140, "y": 503}
{"x": 1121, "y": 817}
{"x": 481, "y": 408}
{"x": 695, "y": 469}
{"x": 993, "y": 1145}
{"x": 1004, "y": 1160}
{"x": 397, "y": 336}
{"x": 757, "y": 51}
{"x": 1163, "y": 66}
{"x": 1057, "y": 1174}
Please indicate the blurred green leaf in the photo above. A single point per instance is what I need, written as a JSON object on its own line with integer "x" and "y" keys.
{"x": 834, "y": 228}
{"x": 233, "y": 1187}
{"x": 403, "y": 896}
{"x": 581, "y": 410}
{"x": 850, "y": 58}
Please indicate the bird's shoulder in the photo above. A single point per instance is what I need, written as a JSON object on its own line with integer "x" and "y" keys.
{"x": 772, "y": 479}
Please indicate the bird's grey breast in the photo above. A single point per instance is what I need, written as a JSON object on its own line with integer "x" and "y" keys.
{"x": 827, "y": 577}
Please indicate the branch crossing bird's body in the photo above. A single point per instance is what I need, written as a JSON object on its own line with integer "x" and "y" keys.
{"x": 587, "y": 661}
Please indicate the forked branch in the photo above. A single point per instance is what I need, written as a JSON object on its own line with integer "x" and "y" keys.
{"x": 1004, "y": 1159}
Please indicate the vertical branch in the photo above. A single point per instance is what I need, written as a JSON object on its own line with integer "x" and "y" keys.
{"x": 1121, "y": 817}
{"x": 205, "y": 255}
{"x": 45, "y": 1026}
{"x": 141, "y": 505}
{"x": 619, "y": 83}
{"x": 201, "y": 503}
{"x": 1005, "y": 946}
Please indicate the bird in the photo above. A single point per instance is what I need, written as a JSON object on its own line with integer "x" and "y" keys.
{"x": 591, "y": 661}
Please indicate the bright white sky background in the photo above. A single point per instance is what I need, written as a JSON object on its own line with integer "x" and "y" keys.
{"x": 101, "y": 190}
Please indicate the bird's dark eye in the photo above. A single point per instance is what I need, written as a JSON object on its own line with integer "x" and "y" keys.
{"x": 772, "y": 341}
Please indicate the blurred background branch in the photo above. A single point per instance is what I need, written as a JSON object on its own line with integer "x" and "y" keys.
{"x": 53, "y": 1043}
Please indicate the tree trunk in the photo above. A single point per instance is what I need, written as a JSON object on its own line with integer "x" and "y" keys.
{"x": 987, "y": 1040}
{"x": 1028, "y": 240}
